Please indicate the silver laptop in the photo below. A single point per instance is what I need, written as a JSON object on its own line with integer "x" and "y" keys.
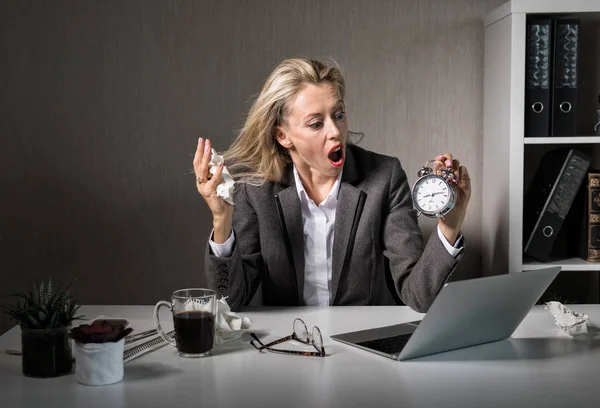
{"x": 464, "y": 313}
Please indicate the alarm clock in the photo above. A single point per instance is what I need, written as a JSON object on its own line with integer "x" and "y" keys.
{"x": 434, "y": 192}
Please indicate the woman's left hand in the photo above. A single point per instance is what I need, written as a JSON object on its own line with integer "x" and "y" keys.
{"x": 451, "y": 224}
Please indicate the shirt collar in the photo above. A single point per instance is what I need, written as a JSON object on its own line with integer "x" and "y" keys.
{"x": 335, "y": 190}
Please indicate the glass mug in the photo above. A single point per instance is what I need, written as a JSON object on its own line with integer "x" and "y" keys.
{"x": 194, "y": 312}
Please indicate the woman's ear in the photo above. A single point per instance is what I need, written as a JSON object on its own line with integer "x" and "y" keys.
{"x": 282, "y": 137}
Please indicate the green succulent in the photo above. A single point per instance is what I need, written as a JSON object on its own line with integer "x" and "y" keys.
{"x": 43, "y": 307}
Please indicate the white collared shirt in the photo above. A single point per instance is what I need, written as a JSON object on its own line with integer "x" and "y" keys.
{"x": 319, "y": 226}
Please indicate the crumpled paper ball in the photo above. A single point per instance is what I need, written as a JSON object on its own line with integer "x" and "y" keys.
{"x": 571, "y": 322}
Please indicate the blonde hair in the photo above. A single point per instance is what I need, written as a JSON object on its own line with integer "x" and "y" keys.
{"x": 255, "y": 156}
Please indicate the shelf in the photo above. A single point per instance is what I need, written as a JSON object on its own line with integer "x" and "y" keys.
{"x": 541, "y": 7}
{"x": 562, "y": 140}
{"x": 568, "y": 264}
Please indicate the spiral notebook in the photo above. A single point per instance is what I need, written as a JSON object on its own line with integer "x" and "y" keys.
{"x": 144, "y": 346}
{"x": 149, "y": 339}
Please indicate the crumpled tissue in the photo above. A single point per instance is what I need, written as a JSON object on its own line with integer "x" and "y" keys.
{"x": 571, "y": 322}
{"x": 229, "y": 325}
{"x": 225, "y": 189}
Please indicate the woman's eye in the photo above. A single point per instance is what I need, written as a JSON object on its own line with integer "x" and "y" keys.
{"x": 316, "y": 125}
{"x": 340, "y": 115}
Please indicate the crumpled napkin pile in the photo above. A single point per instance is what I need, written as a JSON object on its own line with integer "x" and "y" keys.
{"x": 225, "y": 189}
{"x": 229, "y": 325}
{"x": 571, "y": 322}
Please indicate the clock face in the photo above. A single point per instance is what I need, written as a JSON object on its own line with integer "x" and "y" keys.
{"x": 431, "y": 194}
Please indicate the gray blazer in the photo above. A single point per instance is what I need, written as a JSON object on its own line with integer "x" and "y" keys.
{"x": 378, "y": 252}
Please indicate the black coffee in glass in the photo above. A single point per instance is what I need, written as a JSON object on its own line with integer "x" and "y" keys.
{"x": 194, "y": 313}
{"x": 194, "y": 331}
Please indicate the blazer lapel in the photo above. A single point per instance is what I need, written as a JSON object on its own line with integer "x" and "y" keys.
{"x": 349, "y": 208}
{"x": 292, "y": 214}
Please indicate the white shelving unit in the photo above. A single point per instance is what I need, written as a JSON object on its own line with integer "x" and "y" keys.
{"x": 568, "y": 264}
{"x": 562, "y": 140}
{"x": 504, "y": 142}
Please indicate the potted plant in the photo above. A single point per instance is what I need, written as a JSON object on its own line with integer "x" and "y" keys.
{"x": 45, "y": 316}
{"x": 99, "y": 352}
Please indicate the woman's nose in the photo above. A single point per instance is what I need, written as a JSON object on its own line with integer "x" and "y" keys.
{"x": 332, "y": 129}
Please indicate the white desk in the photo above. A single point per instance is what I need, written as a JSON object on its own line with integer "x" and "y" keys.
{"x": 539, "y": 367}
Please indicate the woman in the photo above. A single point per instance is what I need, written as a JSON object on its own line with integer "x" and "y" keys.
{"x": 318, "y": 220}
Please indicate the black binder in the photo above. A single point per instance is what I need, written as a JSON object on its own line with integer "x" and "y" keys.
{"x": 538, "y": 78}
{"x": 549, "y": 198}
{"x": 565, "y": 69}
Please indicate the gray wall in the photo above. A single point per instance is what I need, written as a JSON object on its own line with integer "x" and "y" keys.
{"x": 103, "y": 102}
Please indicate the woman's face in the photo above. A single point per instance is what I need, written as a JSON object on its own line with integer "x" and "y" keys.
{"x": 315, "y": 130}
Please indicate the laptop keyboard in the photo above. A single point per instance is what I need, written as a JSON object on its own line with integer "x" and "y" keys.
{"x": 388, "y": 345}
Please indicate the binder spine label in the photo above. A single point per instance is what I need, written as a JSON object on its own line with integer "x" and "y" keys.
{"x": 538, "y": 80}
{"x": 538, "y": 56}
{"x": 565, "y": 77}
{"x": 567, "y": 39}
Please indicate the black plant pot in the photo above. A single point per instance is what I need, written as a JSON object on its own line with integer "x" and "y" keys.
{"x": 46, "y": 352}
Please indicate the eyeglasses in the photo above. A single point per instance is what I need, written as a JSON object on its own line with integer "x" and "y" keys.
{"x": 300, "y": 334}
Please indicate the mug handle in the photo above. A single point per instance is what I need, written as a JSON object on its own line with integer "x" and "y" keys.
{"x": 159, "y": 328}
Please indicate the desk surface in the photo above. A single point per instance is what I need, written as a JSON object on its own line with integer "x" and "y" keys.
{"x": 539, "y": 366}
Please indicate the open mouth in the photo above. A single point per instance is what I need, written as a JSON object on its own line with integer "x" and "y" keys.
{"x": 336, "y": 155}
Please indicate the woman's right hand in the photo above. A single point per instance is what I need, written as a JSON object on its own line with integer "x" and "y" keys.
{"x": 206, "y": 184}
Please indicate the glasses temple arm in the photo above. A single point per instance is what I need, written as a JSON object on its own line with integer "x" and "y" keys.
{"x": 281, "y": 340}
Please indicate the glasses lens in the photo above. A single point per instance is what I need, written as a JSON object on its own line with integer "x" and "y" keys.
{"x": 317, "y": 338}
{"x": 301, "y": 330}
